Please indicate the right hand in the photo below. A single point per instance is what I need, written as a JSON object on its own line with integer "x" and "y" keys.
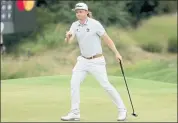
{"x": 118, "y": 57}
{"x": 68, "y": 35}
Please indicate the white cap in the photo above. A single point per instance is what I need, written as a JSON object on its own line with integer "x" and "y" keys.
{"x": 81, "y": 6}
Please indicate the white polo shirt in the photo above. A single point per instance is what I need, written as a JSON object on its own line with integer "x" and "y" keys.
{"x": 88, "y": 36}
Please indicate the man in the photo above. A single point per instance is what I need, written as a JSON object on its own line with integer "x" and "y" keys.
{"x": 3, "y": 48}
{"x": 88, "y": 33}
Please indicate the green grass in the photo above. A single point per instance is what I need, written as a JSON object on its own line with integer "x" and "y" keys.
{"x": 159, "y": 70}
{"x": 51, "y": 64}
{"x": 155, "y": 33}
{"x": 48, "y": 98}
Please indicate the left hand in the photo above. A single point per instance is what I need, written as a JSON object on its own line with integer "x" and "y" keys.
{"x": 68, "y": 36}
{"x": 118, "y": 57}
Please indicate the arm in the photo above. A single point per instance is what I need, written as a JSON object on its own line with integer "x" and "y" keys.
{"x": 102, "y": 33}
{"x": 69, "y": 37}
{"x": 112, "y": 46}
{"x": 70, "y": 34}
{"x": 109, "y": 42}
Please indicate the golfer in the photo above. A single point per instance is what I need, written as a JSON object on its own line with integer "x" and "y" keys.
{"x": 88, "y": 32}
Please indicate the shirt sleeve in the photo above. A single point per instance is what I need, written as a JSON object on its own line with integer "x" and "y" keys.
{"x": 72, "y": 28}
{"x": 100, "y": 29}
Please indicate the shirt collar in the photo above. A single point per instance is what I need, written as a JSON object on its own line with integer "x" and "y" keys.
{"x": 86, "y": 22}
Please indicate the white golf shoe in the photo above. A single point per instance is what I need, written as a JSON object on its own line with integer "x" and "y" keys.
{"x": 122, "y": 115}
{"x": 71, "y": 117}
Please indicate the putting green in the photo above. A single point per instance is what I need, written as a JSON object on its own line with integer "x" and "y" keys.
{"x": 46, "y": 99}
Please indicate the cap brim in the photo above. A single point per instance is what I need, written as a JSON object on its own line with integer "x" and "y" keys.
{"x": 78, "y": 9}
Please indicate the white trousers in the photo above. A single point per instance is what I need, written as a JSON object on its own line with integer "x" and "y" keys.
{"x": 97, "y": 67}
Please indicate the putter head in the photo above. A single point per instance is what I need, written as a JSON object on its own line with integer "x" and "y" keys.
{"x": 134, "y": 114}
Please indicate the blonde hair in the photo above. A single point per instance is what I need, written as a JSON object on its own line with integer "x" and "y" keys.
{"x": 89, "y": 14}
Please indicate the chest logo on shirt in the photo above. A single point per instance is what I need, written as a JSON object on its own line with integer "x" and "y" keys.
{"x": 78, "y": 30}
{"x": 88, "y": 30}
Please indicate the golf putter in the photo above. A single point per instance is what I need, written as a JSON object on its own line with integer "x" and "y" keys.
{"x": 122, "y": 70}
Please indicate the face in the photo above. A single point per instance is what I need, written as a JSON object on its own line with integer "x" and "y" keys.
{"x": 81, "y": 14}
